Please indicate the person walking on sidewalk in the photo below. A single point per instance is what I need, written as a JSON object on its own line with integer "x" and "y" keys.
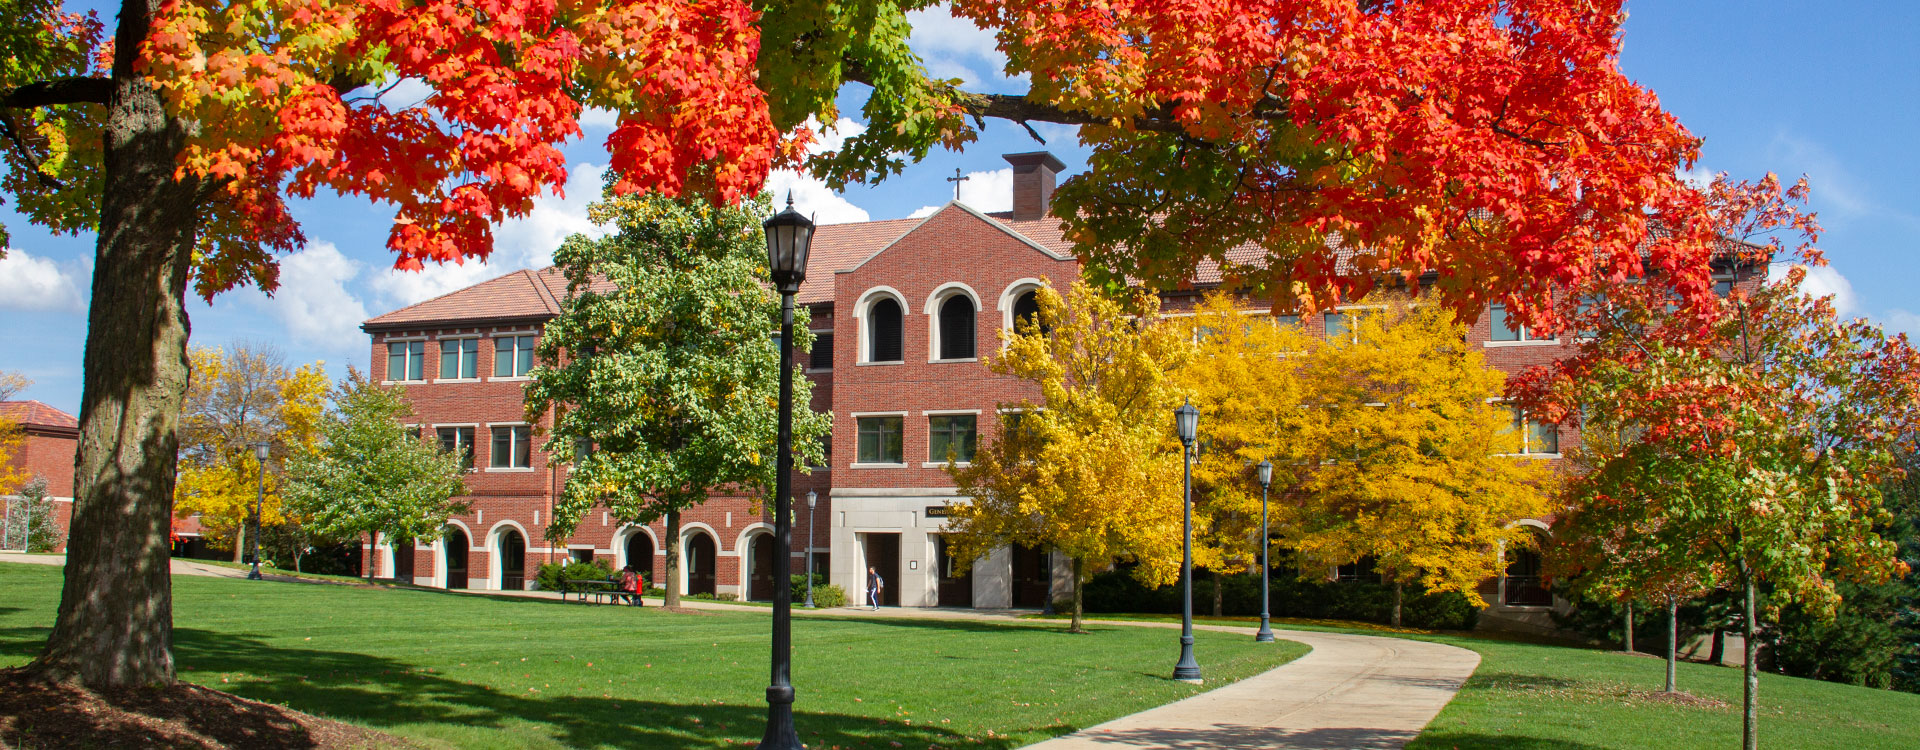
{"x": 874, "y": 584}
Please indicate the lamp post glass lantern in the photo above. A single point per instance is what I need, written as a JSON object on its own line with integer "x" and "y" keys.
{"x": 253, "y": 539}
{"x": 1264, "y": 472}
{"x": 1186, "y": 420}
{"x": 789, "y": 240}
{"x": 813, "y": 500}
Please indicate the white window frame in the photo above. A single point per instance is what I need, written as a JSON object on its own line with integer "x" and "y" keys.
{"x": 475, "y": 426}
{"x": 491, "y": 469}
{"x": 499, "y": 334}
{"x": 1525, "y": 436}
{"x": 1011, "y": 295}
{"x": 935, "y": 300}
{"x": 387, "y": 345}
{"x": 442, "y": 340}
{"x": 860, "y": 308}
{"x": 1526, "y": 334}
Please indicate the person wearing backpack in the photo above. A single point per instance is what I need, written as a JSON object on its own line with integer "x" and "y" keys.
{"x": 874, "y": 584}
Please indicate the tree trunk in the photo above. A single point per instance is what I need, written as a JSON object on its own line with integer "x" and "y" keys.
{"x": 373, "y": 553}
{"x": 673, "y": 558}
{"x": 1718, "y": 654}
{"x": 1079, "y": 620}
{"x": 115, "y": 623}
{"x": 1627, "y": 644}
{"x": 1399, "y": 594}
{"x": 240, "y": 544}
{"x": 1749, "y": 738}
{"x": 1673, "y": 641}
{"x": 1219, "y": 595}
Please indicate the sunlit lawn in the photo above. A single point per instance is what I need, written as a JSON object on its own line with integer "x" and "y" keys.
{"x": 474, "y": 671}
{"x": 1540, "y": 696}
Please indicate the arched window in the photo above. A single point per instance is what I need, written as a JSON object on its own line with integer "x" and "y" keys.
{"x": 1026, "y": 310}
{"x": 1524, "y": 586}
{"x": 956, "y": 327}
{"x": 884, "y": 331}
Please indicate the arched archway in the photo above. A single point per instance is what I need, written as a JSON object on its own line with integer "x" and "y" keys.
{"x": 1521, "y": 584}
{"x": 762, "y": 571}
{"x": 639, "y": 552}
{"x": 701, "y": 559}
{"x": 512, "y": 554}
{"x": 453, "y": 557}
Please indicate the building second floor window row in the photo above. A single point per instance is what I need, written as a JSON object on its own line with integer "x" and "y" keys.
{"x": 511, "y": 446}
{"x": 459, "y": 358}
{"x": 951, "y": 437}
{"x": 953, "y": 328}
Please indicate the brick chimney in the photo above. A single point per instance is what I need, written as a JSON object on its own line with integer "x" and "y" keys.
{"x": 1033, "y": 179}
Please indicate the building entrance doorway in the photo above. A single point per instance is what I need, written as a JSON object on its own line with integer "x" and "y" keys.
{"x": 955, "y": 590}
{"x": 1032, "y": 576}
{"x": 760, "y": 578}
{"x": 513, "y": 560}
{"x": 700, "y": 564}
{"x": 883, "y": 555}
{"x": 402, "y": 561}
{"x": 640, "y": 554}
{"x": 453, "y": 547}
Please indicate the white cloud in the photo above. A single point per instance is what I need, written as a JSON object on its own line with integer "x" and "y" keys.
{"x": 529, "y": 242}
{"x": 988, "y": 191}
{"x": 812, "y": 196}
{"x": 595, "y": 117}
{"x": 402, "y": 288}
{"x": 1901, "y": 321}
{"x": 923, "y": 212}
{"x": 1825, "y": 281}
{"x": 1699, "y": 177}
{"x": 954, "y": 47}
{"x": 29, "y": 283}
{"x": 313, "y": 301}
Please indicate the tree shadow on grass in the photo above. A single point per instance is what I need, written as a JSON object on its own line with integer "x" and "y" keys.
{"x": 1482, "y": 741}
{"x": 1518, "y": 681}
{"x": 383, "y": 692}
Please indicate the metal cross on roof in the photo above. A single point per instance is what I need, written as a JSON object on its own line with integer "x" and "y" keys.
{"x": 956, "y": 179}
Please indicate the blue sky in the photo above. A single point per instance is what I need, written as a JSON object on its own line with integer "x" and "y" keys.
{"x": 1778, "y": 86}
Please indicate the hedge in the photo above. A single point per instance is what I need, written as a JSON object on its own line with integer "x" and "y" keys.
{"x": 1116, "y": 591}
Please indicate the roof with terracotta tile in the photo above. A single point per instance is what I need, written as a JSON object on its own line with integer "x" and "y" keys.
{"x": 520, "y": 295}
{"x": 35, "y": 414}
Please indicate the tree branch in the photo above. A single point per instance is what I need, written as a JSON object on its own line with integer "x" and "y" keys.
{"x": 62, "y": 91}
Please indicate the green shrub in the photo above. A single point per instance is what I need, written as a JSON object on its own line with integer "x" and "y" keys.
{"x": 706, "y": 597}
{"x": 1116, "y": 591}
{"x": 826, "y": 595}
{"x": 551, "y": 573}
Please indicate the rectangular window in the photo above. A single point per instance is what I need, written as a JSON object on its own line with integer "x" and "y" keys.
{"x": 511, "y": 447}
{"x": 1723, "y": 286}
{"x": 458, "y": 439}
{"x": 1504, "y": 328}
{"x": 821, "y": 358}
{"x": 880, "y": 441}
{"x": 1536, "y": 437}
{"x": 460, "y": 358}
{"x": 512, "y": 356}
{"x": 1336, "y": 323}
{"x": 1202, "y": 333}
{"x": 951, "y": 433}
{"x": 406, "y": 360}
{"x": 1286, "y": 320}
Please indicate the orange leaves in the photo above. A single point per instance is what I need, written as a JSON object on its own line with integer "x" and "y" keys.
{"x": 451, "y": 112}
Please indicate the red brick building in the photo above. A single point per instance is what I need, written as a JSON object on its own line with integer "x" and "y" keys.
{"x": 49, "y": 437}
{"x": 903, "y": 309}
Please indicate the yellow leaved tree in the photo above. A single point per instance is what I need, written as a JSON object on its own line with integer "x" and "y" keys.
{"x": 1245, "y": 379}
{"x": 1413, "y": 461}
{"x": 1092, "y": 469}
{"x": 235, "y": 399}
{"x": 11, "y": 436}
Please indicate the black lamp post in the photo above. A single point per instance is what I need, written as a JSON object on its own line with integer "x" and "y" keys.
{"x": 813, "y": 500}
{"x": 259, "y": 499}
{"x": 789, "y": 239}
{"x": 1265, "y": 472}
{"x": 1186, "y": 420}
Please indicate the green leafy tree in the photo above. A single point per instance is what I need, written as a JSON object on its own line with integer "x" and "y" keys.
{"x": 662, "y": 368}
{"x": 1092, "y": 469}
{"x": 30, "y": 523}
{"x": 369, "y": 474}
{"x": 1763, "y": 427}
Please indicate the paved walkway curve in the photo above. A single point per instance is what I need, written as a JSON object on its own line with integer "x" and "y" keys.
{"x": 1351, "y": 692}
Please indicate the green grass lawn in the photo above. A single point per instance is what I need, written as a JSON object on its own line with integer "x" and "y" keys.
{"x": 1536, "y": 696}
{"x": 473, "y": 671}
